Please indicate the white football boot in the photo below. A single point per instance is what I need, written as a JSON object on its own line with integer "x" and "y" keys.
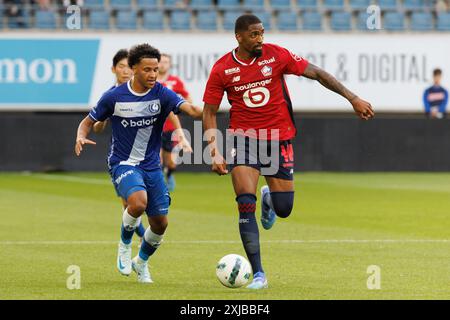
{"x": 141, "y": 270}
{"x": 124, "y": 259}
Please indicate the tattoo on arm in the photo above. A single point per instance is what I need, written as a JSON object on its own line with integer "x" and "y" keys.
{"x": 327, "y": 80}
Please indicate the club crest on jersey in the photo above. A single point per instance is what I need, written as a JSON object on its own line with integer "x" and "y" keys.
{"x": 266, "y": 71}
{"x": 154, "y": 108}
{"x": 232, "y": 71}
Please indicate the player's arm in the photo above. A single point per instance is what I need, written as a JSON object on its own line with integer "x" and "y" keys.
{"x": 210, "y": 126}
{"x": 179, "y": 132}
{"x": 83, "y": 130}
{"x": 99, "y": 126}
{"x": 362, "y": 108}
{"x": 191, "y": 110}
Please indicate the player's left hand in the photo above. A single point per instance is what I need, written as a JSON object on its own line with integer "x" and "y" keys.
{"x": 362, "y": 108}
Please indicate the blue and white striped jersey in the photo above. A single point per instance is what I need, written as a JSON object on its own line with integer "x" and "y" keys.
{"x": 137, "y": 120}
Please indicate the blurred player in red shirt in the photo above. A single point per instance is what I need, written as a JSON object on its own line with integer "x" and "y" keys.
{"x": 172, "y": 123}
{"x": 252, "y": 75}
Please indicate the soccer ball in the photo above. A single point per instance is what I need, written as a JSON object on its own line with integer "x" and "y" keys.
{"x": 233, "y": 271}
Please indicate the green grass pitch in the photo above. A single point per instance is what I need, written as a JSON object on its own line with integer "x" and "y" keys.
{"x": 341, "y": 224}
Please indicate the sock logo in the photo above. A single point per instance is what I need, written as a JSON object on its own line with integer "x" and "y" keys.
{"x": 244, "y": 220}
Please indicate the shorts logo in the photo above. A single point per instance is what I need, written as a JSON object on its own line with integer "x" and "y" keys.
{"x": 236, "y": 79}
{"x": 123, "y": 175}
{"x": 232, "y": 70}
{"x": 261, "y": 63}
{"x": 266, "y": 71}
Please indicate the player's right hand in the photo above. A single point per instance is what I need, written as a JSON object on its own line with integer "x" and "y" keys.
{"x": 219, "y": 165}
{"x": 80, "y": 142}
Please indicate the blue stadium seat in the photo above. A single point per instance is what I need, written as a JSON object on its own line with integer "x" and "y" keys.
{"x": 120, "y": 4}
{"x": 180, "y": 20}
{"x": 360, "y": 5}
{"x": 307, "y": 4}
{"x": 147, "y": 4}
{"x": 172, "y": 4}
{"x": 413, "y": 5}
{"x": 388, "y": 5}
{"x": 99, "y": 20}
{"x": 333, "y": 4}
{"x": 126, "y": 20}
{"x": 45, "y": 19}
{"x": 94, "y": 4}
{"x": 394, "y": 21}
{"x": 265, "y": 17}
{"x": 201, "y": 4}
{"x": 153, "y": 20}
{"x": 311, "y": 21}
{"x": 207, "y": 20}
{"x": 287, "y": 21}
{"x": 253, "y": 4}
{"x": 229, "y": 19}
{"x": 341, "y": 21}
{"x": 443, "y": 21}
{"x": 280, "y": 4}
{"x": 421, "y": 21}
{"x": 228, "y": 4}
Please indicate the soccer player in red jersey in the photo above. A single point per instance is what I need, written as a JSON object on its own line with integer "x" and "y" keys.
{"x": 252, "y": 75}
{"x": 172, "y": 123}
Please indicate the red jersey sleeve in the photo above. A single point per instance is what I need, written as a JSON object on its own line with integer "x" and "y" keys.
{"x": 214, "y": 88}
{"x": 181, "y": 89}
{"x": 293, "y": 64}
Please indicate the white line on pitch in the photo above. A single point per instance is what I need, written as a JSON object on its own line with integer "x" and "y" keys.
{"x": 66, "y": 178}
{"x": 356, "y": 241}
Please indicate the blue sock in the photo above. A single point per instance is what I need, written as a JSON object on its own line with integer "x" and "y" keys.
{"x": 126, "y": 235}
{"x": 248, "y": 229}
{"x": 146, "y": 250}
{"x": 140, "y": 230}
{"x": 151, "y": 242}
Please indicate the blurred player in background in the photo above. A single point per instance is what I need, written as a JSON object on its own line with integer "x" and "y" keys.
{"x": 168, "y": 144}
{"x": 253, "y": 77}
{"x": 137, "y": 110}
{"x": 435, "y": 98}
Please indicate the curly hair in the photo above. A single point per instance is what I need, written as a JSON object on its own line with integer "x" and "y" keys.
{"x": 142, "y": 51}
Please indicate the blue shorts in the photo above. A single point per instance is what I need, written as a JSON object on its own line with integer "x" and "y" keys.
{"x": 129, "y": 179}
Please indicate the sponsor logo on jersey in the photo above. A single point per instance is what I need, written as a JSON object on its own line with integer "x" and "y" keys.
{"x": 236, "y": 79}
{"x": 123, "y": 175}
{"x": 232, "y": 70}
{"x": 266, "y": 71}
{"x": 263, "y": 62}
{"x": 253, "y": 85}
{"x": 138, "y": 123}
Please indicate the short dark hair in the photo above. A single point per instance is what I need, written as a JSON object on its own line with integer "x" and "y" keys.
{"x": 142, "y": 51}
{"x": 244, "y": 21}
{"x": 437, "y": 72}
{"x": 120, "y": 55}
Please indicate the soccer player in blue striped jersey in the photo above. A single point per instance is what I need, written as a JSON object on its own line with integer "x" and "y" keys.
{"x": 137, "y": 110}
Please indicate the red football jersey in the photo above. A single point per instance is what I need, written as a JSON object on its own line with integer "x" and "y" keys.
{"x": 257, "y": 90}
{"x": 175, "y": 84}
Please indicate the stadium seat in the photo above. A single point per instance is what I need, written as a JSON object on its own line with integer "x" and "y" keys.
{"x": 173, "y": 4}
{"x": 387, "y": 5}
{"x": 280, "y": 4}
{"x": 333, "y": 5}
{"x": 180, "y": 20}
{"x": 394, "y": 21}
{"x": 311, "y": 21}
{"x": 45, "y": 19}
{"x": 120, "y": 4}
{"x": 361, "y": 23}
{"x": 201, "y": 4}
{"x": 147, "y": 4}
{"x": 228, "y": 4}
{"x": 229, "y": 19}
{"x": 207, "y": 20}
{"x": 421, "y": 21}
{"x": 99, "y": 20}
{"x": 341, "y": 21}
{"x": 94, "y": 4}
{"x": 126, "y": 20}
{"x": 360, "y": 5}
{"x": 443, "y": 21}
{"x": 287, "y": 21}
{"x": 153, "y": 20}
{"x": 307, "y": 5}
{"x": 21, "y": 21}
{"x": 413, "y": 5}
{"x": 253, "y": 4}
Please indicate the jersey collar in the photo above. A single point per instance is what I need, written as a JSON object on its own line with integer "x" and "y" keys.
{"x": 135, "y": 93}
{"x": 241, "y": 62}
